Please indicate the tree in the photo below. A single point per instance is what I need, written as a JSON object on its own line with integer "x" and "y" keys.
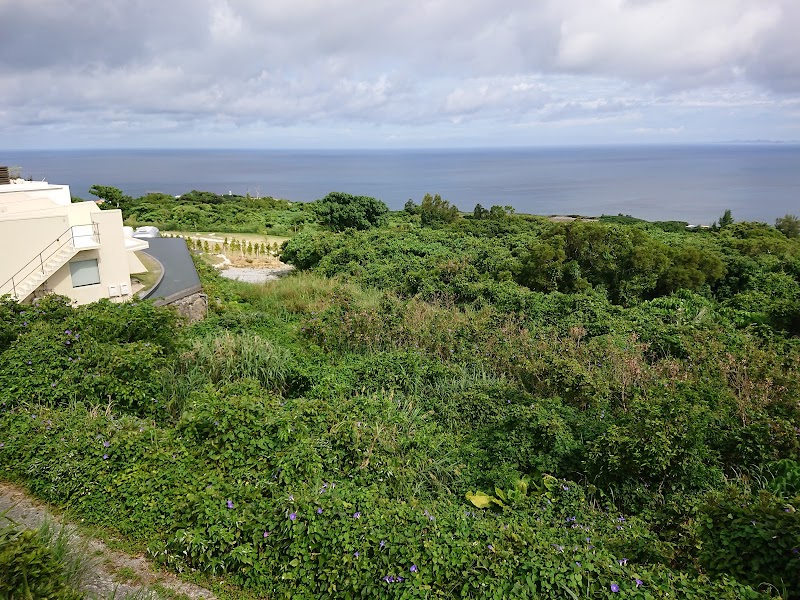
{"x": 691, "y": 268}
{"x": 788, "y": 225}
{"x": 497, "y": 212}
{"x": 341, "y": 211}
{"x": 434, "y": 210}
{"x": 726, "y": 219}
{"x": 112, "y": 197}
{"x": 411, "y": 207}
{"x": 479, "y": 212}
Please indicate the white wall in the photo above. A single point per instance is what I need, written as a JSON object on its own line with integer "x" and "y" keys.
{"x": 22, "y": 240}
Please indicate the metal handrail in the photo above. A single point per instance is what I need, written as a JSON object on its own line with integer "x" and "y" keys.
{"x": 42, "y": 260}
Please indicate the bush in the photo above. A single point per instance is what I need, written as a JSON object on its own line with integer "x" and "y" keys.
{"x": 754, "y": 539}
{"x": 30, "y": 568}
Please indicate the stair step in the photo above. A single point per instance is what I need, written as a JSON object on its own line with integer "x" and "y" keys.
{"x": 50, "y": 266}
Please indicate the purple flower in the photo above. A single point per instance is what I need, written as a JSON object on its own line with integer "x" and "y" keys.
{"x": 413, "y": 568}
{"x": 639, "y": 582}
{"x": 399, "y": 579}
{"x": 355, "y": 554}
{"x": 52, "y": 385}
{"x": 319, "y": 511}
{"x": 68, "y": 332}
{"x": 614, "y": 588}
{"x": 622, "y": 562}
{"x": 490, "y": 547}
{"x": 106, "y": 444}
{"x": 292, "y": 516}
{"x": 357, "y": 515}
{"x": 382, "y": 544}
{"x": 291, "y": 497}
{"x": 565, "y": 487}
{"x": 267, "y": 534}
{"x": 105, "y": 456}
{"x": 29, "y": 362}
{"x": 578, "y": 564}
{"x": 2, "y": 445}
{"x": 230, "y": 503}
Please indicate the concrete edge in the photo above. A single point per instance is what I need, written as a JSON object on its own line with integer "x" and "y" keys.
{"x": 158, "y": 281}
{"x": 178, "y": 295}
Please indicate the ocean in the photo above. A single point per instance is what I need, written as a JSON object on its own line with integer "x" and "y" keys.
{"x": 688, "y": 183}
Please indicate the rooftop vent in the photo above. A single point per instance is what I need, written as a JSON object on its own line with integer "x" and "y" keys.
{"x": 4, "y": 176}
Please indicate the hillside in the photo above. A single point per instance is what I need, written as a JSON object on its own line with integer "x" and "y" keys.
{"x": 437, "y": 405}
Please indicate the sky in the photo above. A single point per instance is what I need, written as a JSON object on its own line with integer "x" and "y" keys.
{"x": 391, "y": 74}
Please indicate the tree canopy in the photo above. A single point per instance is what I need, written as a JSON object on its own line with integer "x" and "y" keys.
{"x": 341, "y": 211}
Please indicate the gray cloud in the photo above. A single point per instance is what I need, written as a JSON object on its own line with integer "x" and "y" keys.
{"x": 288, "y": 63}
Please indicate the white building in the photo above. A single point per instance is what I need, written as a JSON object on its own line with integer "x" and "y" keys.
{"x": 48, "y": 244}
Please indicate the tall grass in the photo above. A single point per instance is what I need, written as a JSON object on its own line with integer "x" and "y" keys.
{"x": 226, "y": 359}
{"x": 229, "y": 357}
{"x": 70, "y": 550}
{"x": 304, "y": 292}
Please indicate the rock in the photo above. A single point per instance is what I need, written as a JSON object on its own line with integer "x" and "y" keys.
{"x": 193, "y": 307}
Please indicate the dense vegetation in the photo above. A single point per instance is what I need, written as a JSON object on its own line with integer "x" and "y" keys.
{"x": 207, "y": 211}
{"x": 437, "y": 406}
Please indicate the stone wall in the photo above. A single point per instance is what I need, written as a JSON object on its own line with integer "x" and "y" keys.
{"x": 193, "y": 307}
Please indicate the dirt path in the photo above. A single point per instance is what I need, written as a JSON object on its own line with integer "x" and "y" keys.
{"x": 113, "y": 572}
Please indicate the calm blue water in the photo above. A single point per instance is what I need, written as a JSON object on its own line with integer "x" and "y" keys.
{"x": 688, "y": 183}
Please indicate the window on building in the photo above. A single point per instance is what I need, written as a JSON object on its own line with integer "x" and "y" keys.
{"x": 84, "y": 272}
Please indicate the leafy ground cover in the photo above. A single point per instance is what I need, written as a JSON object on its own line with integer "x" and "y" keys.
{"x": 461, "y": 407}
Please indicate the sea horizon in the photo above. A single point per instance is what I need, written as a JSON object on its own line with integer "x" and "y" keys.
{"x": 756, "y": 180}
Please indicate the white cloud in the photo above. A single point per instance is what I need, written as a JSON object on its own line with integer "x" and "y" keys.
{"x": 350, "y": 64}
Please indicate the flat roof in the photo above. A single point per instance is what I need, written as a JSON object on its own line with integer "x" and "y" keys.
{"x": 180, "y": 277}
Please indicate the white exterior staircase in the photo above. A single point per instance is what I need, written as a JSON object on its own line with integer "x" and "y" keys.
{"x": 50, "y": 260}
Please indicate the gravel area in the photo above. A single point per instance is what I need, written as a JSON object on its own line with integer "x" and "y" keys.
{"x": 256, "y": 275}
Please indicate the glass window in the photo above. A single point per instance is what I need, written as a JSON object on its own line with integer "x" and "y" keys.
{"x": 84, "y": 272}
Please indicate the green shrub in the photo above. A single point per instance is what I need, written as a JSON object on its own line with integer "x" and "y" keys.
{"x": 754, "y": 539}
{"x": 29, "y": 568}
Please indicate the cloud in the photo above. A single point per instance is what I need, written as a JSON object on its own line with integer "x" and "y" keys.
{"x": 290, "y": 63}
{"x": 680, "y": 42}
